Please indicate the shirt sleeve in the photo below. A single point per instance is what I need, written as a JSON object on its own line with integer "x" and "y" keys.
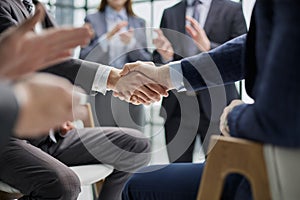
{"x": 176, "y": 76}
{"x": 100, "y": 81}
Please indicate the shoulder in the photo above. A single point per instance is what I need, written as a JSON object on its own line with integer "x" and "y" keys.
{"x": 172, "y": 8}
{"x": 95, "y": 16}
{"x": 230, "y": 5}
{"x": 138, "y": 20}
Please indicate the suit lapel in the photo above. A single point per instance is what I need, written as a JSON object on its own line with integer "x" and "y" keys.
{"x": 211, "y": 16}
{"x": 181, "y": 20}
{"x": 102, "y": 23}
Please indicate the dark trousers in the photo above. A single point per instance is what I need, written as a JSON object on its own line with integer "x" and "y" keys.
{"x": 42, "y": 173}
{"x": 179, "y": 181}
{"x": 183, "y": 123}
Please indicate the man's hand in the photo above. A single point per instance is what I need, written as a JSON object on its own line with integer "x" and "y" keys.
{"x": 116, "y": 29}
{"x": 66, "y": 127}
{"x": 145, "y": 90}
{"x": 223, "y": 120}
{"x": 45, "y": 102}
{"x": 198, "y": 34}
{"x": 22, "y": 51}
{"x": 163, "y": 46}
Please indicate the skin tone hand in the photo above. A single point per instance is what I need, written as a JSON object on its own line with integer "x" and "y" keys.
{"x": 160, "y": 75}
{"x": 223, "y": 120}
{"x": 39, "y": 111}
{"x": 126, "y": 36}
{"x": 198, "y": 34}
{"x": 163, "y": 46}
{"x": 116, "y": 29}
{"x": 146, "y": 90}
{"x": 19, "y": 52}
{"x": 66, "y": 127}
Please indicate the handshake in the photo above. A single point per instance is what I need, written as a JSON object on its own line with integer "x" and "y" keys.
{"x": 140, "y": 82}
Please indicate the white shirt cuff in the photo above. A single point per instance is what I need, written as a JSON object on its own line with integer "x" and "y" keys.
{"x": 176, "y": 76}
{"x": 100, "y": 81}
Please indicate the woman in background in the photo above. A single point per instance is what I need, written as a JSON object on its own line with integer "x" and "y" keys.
{"x": 119, "y": 38}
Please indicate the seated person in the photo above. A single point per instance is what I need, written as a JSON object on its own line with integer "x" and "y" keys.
{"x": 38, "y": 167}
{"x": 271, "y": 68}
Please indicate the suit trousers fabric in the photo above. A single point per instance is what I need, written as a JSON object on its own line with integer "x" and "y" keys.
{"x": 41, "y": 172}
{"x": 186, "y": 122}
{"x": 180, "y": 182}
{"x": 112, "y": 112}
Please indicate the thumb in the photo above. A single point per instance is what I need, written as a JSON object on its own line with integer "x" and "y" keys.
{"x": 29, "y": 24}
{"x": 129, "y": 67}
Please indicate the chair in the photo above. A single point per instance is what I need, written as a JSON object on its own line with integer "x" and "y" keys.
{"x": 88, "y": 174}
{"x": 272, "y": 171}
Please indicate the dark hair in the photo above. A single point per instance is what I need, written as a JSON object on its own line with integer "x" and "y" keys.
{"x": 128, "y": 6}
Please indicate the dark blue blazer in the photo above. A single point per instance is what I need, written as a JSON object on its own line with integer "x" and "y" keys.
{"x": 270, "y": 56}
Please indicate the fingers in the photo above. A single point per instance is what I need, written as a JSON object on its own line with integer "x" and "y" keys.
{"x": 191, "y": 31}
{"x": 194, "y": 23}
{"x": 117, "y": 28}
{"x": 129, "y": 67}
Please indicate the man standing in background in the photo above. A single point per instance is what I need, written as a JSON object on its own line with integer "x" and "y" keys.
{"x": 188, "y": 28}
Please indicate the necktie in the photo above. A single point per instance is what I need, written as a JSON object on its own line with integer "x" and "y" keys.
{"x": 196, "y": 14}
{"x": 28, "y": 5}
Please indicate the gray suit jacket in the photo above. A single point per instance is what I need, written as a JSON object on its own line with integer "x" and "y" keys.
{"x": 225, "y": 21}
{"x": 93, "y": 52}
{"x": 9, "y": 112}
{"x": 82, "y": 73}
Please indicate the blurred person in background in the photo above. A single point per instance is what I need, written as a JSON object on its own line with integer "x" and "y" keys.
{"x": 189, "y": 28}
{"x": 119, "y": 38}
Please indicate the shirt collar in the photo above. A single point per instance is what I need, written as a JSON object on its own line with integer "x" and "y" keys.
{"x": 113, "y": 14}
{"x": 204, "y": 2}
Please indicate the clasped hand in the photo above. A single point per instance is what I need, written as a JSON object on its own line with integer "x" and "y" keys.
{"x": 139, "y": 82}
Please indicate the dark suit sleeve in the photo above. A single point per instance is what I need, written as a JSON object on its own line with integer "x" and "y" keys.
{"x": 274, "y": 117}
{"x": 8, "y": 113}
{"x": 219, "y": 66}
{"x": 79, "y": 72}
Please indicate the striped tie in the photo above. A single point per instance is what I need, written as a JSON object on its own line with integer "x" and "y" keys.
{"x": 28, "y": 5}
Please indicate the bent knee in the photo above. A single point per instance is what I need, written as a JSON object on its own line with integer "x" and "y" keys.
{"x": 63, "y": 186}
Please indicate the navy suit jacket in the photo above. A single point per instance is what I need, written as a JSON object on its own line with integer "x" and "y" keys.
{"x": 82, "y": 73}
{"x": 93, "y": 52}
{"x": 270, "y": 56}
{"x": 225, "y": 21}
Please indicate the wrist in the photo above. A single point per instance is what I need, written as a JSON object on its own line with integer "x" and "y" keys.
{"x": 164, "y": 76}
{"x": 113, "y": 78}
